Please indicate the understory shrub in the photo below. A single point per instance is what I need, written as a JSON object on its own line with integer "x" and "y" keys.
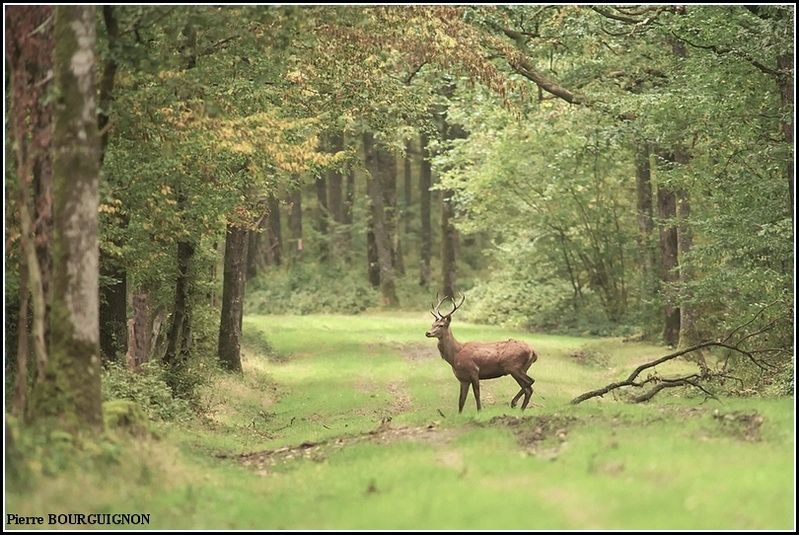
{"x": 308, "y": 289}
{"x": 148, "y": 388}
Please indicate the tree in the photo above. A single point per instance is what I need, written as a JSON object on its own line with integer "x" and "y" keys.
{"x": 377, "y": 164}
{"x": 71, "y": 389}
{"x": 425, "y": 182}
{"x": 113, "y": 293}
{"x": 29, "y": 46}
{"x": 233, "y": 297}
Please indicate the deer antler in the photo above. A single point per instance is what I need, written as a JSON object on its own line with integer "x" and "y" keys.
{"x": 456, "y": 306}
{"x": 435, "y": 312}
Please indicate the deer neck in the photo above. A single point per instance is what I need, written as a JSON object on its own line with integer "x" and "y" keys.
{"x": 448, "y": 347}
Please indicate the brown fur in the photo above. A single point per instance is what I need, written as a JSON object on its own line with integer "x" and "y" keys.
{"x": 473, "y": 361}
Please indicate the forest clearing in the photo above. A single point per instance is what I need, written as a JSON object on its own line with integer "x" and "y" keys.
{"x": 357, "y": 428}
{"x": 413, "y": 267}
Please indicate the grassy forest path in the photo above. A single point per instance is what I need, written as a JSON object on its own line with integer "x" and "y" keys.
{"x": 351, "y": 422}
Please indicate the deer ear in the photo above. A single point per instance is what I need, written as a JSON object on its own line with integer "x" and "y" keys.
{"x": 448, "y": 319}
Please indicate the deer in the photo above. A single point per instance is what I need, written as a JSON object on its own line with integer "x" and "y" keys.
{"x": 473, "y": 361}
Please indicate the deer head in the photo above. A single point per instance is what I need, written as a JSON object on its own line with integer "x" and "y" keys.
{"x": 441, "y": 324}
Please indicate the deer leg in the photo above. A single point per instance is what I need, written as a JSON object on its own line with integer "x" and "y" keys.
{"x": 462, "y": 399}
{"x": 476, "y": 390}
{"x": 525, "y": 382}
{"x": 528, "y": 392}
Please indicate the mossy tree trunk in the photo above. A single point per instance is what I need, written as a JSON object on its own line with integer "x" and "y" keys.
{"x": 71, "y": 388}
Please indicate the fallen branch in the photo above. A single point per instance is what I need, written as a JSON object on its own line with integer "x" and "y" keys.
{"x": 688, "y": 380}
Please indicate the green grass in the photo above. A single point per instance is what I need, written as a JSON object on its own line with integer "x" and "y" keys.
{"x": 678, "y": 462}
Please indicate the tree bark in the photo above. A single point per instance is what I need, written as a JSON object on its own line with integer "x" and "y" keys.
{"x": 30, "y": 67}
{"x": 113, "y": 309}
{"x": 322, "y": 215}
{"x": 785, "y": 83}
{"x": 688, "y": 332}
{"x": 646, "y": 225}
{"x": 425, "y": 181}
{"x": 449, "y": 240}
{"x": 387, "y": 167}
{"x": 408, "y": 187}
{"x": 233, "y": 298}
{"x": 139, "y": 333}
{"x": 449, "y": 234}
{"x": 350, "y": 202}
{"x": 21, "y": 380}
{"x": 295, "y": 223}
{"x": 179, "y": 337}
{"x": 113, "y": 297}
{"x": 255, "y": 257}
{"x": 669, "y": 266}
{"x": 375, "y": 185}
{"x": 71, "y": 389}
{"x": 275, "y": 252}
{"x": 335, "y": 181}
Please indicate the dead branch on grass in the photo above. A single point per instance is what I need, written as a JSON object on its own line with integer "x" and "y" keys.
{"x": 692, "y": 380}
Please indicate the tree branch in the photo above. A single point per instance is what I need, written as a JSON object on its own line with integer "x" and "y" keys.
{"x": 689, "y": 380}
{"x": 742, "y": 55}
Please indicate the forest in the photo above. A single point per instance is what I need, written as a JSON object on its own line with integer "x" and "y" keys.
{"x": 227, "y": 227}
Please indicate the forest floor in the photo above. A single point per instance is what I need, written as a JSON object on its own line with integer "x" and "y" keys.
{"x": 352, "y": 423}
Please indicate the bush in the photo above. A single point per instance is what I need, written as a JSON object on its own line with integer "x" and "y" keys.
{"x": 148, "y": 388}
{"x": 309, "y": 289}
{"x": 510, "y": 299}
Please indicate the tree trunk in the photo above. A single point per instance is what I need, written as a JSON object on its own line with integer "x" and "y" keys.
{"x": 425, "y": 181}
{"x": 295, "y": 223}
{"x": 71, "y": 389}
{"x": 30, "y": 67}
{"x": 322, "y": 226}
{"x": 139, "y": 333}
{"x": 408, "y": 187}
{"x": 785, "y": 83}
{"x": 335, "y": 182}
{"x": 350, "y": 202}
{"x": 179, "y": 337}
{"x": 254, "y": 255}
{"x": 667, "y": 211}
{"x": 382, "y": 238}
{"x": 387, "y": 167}
{"x": 113, "y": 309}
{"x": 688, "y": 333}
{"x": 113, "y": 297}
{"x": 646, "y": 225}
{"x": 233, "y": 299}
{"x": 373, "y": 264}
{"x": 43, "y": 227}
{"x": 449, "y": 240}
{"x": 275, "y": 252}
{"x": 21, "y": 380}
{"x": 449, "y": 235}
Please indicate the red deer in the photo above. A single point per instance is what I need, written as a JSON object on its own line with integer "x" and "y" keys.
{"x": 473, "y": 361}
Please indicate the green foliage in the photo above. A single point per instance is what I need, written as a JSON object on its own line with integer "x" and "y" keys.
{"x": 125, "y": 416}
{"x": 307, "y": 288}
{"x": 510, "y": 297}
{"x": 147, "y": 388}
